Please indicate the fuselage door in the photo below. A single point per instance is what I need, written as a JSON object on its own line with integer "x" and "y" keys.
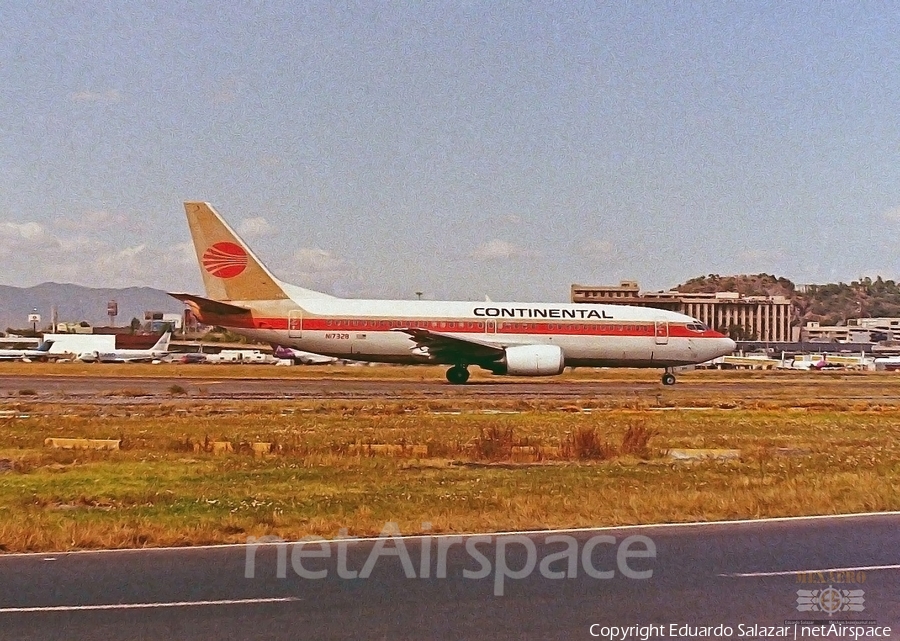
{"x": 490, "y": 327}
{"x": 295, "y": 323}
{"x": 661, "y": 331}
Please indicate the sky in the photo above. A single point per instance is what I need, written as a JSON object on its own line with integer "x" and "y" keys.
{"x": 456, "y": 149}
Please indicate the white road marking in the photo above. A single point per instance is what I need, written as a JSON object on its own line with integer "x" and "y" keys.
{"x": 138, "y": 606}
{"x": 859, "y": 568}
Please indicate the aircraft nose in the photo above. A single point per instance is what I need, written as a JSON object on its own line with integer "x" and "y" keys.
{"x": 726, "y": 346}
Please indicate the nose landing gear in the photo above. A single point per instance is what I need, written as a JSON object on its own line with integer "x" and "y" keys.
{"x": 457, "y": 375}
{"x": 668, "y": 378}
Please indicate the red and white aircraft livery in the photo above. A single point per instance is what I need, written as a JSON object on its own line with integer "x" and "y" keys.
{"x": 519, "y": 339}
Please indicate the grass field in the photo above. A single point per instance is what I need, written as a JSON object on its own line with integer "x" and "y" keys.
{"x": 459, "y": 465}
{"x": 385, "y": 372}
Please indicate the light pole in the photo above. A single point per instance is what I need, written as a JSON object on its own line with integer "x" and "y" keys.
{"x": 419, "y": 295}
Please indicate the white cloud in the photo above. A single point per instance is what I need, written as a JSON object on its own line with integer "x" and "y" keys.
{"x": 322, "y": 270}
{"x": 122, "y": 261}
{"x": 313, "y": 259}
{"x": 108, "y": 96}
{"x": 182, "y": 254}
{"x": 34, "y": 253}
{"x": 29, "y": 231}
{"x": 255, "y": 227}
{"x": 80, "y": 245}
{"x": 500, "y": 250}
{"x": 26, "y": 239}
{"x": 91, "y": 220}
{"x": 145, "y": 265}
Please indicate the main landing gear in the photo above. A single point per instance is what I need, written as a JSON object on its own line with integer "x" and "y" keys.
{"x": 457, "y": 375}
{"x": 668, "y": 378}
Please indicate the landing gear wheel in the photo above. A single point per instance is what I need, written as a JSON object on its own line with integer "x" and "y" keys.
{"x": 457, "y": 375}
{"x": 668, "y": 378}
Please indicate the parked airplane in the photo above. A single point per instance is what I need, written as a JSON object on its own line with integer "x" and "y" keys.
{"x": 887, "y": 363}
{"x": 302, "y": 358}
{"x": 518, "y": 339}
{"x": 41, "y": 352}
{"x": 155, "y": 353}
{"x": 819, "y": 362}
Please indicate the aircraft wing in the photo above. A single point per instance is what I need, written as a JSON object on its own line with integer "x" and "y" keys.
{"x": 449, "y": 348}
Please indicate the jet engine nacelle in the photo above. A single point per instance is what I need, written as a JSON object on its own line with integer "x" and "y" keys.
{"x": 533, "y": 360}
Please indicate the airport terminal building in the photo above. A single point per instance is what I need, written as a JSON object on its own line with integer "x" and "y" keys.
{"x": 760, "y": 318}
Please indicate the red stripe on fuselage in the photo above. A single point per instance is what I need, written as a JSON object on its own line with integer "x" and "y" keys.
{"x": 503, "y": 328}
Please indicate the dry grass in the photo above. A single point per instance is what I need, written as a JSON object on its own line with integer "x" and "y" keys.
{"x": 462, "y": 464}
{"x": 587, "y": 445}
{"x": 636, "y": 441}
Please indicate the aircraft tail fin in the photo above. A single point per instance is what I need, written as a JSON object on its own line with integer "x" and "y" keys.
{"x": 230, "y": 270}
{"x": 162, "y": 345}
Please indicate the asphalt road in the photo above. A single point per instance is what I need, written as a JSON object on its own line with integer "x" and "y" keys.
{"x": 74, "y": 387}
{"x": 107, "y": 388}
{"x": 733, "y": 574}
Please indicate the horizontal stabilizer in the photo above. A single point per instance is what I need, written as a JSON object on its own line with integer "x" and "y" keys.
{"x": 200, "y": 304}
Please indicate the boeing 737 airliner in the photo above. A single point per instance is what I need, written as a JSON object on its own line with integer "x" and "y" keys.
{"x": 518, "y": 339}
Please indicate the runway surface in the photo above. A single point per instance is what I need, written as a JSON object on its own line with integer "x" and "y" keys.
{"x": 137, "y": 389}
{"x": 734, "y": 574}
{"x": 74, "y": 387}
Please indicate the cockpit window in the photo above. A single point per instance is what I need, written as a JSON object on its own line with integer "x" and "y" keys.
{"x": 697, "y": 327}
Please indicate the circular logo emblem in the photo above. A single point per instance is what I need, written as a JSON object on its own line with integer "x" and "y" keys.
{"x": 225, "y": 260}
{"x": 830, "y": 600}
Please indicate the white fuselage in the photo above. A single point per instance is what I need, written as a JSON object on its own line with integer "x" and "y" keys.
{"x": 518, "y": 339}
{"x": 158, "y": 351}
{"x": 23, "y": 354}
{"x": 130, "y": 355}
{"x": 588, "y": 335}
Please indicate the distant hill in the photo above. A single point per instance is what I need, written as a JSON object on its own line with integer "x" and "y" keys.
{"x": 76, "y": 303}
{"x": 834, "y": 303}
{"x": 830, "y": 304}
{"x": 746, "y": 284}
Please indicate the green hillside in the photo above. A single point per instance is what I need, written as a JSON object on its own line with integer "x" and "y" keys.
{"x": 830, "y": 304}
